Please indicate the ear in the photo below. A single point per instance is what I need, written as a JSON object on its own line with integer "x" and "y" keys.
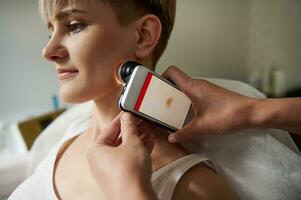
{"x": 148, "y": 34}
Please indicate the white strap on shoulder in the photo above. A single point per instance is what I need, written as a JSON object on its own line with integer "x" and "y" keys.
{"x": 171, "y": 174}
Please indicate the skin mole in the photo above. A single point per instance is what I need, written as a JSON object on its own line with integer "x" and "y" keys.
{"x": 168, "y": 102}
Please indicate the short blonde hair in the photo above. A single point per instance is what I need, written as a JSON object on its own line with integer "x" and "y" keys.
{"x": 126, "y": 11}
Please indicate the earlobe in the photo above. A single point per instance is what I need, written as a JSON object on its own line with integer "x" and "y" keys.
{"x": 148, "y": 34}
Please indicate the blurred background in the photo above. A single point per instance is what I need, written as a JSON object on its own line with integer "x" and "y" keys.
{"x": 254, "y": 41}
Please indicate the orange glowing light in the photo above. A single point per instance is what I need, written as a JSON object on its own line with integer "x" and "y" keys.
{"x": 116, "y": 69}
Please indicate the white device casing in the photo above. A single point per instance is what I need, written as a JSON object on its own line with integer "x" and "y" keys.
{"x": 131, "y": 92}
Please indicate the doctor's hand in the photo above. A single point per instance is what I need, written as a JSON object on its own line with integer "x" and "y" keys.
{"x": 220, "y": 111}
{"x": 217, "y": 110}
{"x": 119, "y": 158}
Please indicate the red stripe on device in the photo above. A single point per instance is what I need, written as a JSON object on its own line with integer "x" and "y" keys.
{"x": 143, "y": 91}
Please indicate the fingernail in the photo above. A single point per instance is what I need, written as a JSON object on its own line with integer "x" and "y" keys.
{"x": 172, "y": 139}
{"x": 126, "y": 116}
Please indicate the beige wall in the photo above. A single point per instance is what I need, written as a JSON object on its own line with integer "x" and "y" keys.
{"x": 275, "y": 38}
{"x": 209, "y": 38}
{"x": 231, "y": 39}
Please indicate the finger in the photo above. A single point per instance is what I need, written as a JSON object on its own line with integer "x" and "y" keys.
{"x": 128, "y": 127}
{"x": 144, "y": 126}
{"x": 147, "y": 136}
{"x": 149, "y": 141}
{"x": 96, "y": 129}
{"x": 187, "y": 133}
{"x": 110, "y": 133}
{"x": 118, "y": 141}
{"x": 179, "y": 78}
{"x": 139, "y": 124}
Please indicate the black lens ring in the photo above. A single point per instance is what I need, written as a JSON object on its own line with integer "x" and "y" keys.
{"x": 127, "y": 69}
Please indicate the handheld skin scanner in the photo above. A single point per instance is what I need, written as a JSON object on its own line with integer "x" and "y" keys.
{"x": 148, "y": 95}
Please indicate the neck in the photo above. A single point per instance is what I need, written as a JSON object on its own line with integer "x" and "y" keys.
{"x": 106, "y": 107}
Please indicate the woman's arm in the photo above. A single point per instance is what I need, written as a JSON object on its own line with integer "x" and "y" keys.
{"x": 201, "y": 182}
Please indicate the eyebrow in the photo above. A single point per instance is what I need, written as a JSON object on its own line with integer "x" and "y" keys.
{"x": 63, "y": 14}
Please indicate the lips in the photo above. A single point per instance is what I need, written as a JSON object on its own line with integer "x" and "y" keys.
{"x": 64, "y": 73}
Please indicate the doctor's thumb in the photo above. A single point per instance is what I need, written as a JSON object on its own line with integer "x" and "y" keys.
{"x": 178, "y": 77}
{"x": 187, "y": 133}
{"x": 128, "y": 126}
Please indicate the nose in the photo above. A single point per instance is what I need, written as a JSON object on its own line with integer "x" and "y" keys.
{"x": 54, "y": 50}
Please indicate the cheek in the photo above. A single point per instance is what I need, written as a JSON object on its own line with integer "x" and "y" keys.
{"x": 100, "y": 50}
{"x": 95, "y": 55}
{"x": 103, "y": 51}
{"x": 96, "y": 65}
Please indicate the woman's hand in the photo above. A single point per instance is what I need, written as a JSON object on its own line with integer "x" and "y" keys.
{"x": 119, "y": 158}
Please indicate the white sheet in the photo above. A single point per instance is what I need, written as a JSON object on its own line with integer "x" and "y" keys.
{"x": 259, "y": 164}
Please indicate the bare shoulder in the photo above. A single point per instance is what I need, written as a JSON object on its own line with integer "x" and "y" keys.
{"x": 200, "y": 182}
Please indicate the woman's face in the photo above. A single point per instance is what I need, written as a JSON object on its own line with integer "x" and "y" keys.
{"x": 87, "y": 41}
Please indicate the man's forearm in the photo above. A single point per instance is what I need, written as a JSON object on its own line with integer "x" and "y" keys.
{"x": 277, "y": 113}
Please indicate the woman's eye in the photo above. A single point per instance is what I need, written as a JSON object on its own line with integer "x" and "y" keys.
{"x": 75, "y": 27}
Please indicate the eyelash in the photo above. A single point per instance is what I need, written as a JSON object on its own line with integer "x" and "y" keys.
{"x": 75, "y": 27}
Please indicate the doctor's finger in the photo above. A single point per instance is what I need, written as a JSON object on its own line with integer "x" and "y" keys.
{"x": 148, "y": 140}
{"x": 110, "y": 133}
{"x": 187, "y": 133}
{"x": 179, "y": 78}
{"x": 128, "y": 127}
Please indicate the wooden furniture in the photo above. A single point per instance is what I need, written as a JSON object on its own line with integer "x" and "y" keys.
{"x": 31, "y": 128}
